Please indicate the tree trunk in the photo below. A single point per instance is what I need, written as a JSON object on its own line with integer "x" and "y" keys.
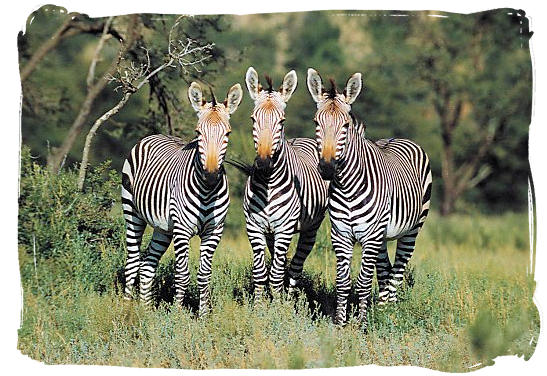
{"x": 91, "y": 134}
{"x": 58, "y": 154}
{"x": 448, "y": 174}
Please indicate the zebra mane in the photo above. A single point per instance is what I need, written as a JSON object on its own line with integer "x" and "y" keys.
{"x": 332, "y": 91}
{"x": 269, "y": 82}
{"x": 359, "y": 126}
{"x": 214, "y": 100}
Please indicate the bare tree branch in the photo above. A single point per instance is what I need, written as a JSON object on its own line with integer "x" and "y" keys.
{"x": 100, "y": 45}
{"x": 131, "y": 77}
{"x": 47, "y": 46}
{"x": 57, "y": 154}
{"x": 71, "y": 26}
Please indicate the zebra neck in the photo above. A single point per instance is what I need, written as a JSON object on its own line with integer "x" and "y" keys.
{"x": 352, "y": 162}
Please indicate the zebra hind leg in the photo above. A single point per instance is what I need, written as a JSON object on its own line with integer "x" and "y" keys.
{"x": 157, "y": 247}
{"x": 405, "y": 248}
{"x": 303, "y": 249}
{"x": 135, "y": 227}
{"x": 383, "y": 269}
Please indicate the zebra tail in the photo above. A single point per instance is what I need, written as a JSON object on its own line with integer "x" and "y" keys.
{"x": 246, "y": 168}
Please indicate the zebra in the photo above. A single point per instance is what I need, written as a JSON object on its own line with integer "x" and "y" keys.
{"x": 379, "y": 191}
{"x": 284, "y": 193}
{"x": 180, "y": 190}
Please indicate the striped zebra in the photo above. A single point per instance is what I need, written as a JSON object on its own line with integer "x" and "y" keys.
{"x": 284, "y": 193}
{"x": 180, "y": 190}
{"x": 379, "y": 191}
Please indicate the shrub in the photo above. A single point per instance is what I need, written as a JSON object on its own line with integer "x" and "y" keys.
{"x": 69, "y": 231}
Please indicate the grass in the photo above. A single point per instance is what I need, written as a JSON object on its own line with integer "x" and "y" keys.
{"x": 466, "y": 299}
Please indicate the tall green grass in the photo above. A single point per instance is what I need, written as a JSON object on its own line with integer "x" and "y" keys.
{"x": 467, "y": 296}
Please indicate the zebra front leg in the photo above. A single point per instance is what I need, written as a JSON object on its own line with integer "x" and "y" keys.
{"x": 257, "y": 239}
{"x": 343, "y": 247}
{"x": 135, "y": 227}
{"x": 181, "y": 242}
{"x": 157, "y": 247}
{"x": 383, "y": 269}
{"x": 209, "y": 243}
{"x": 279, "y": 260}
{"x": 303, "y": 249}
{"x": 405, "y": 248}
{"x": 371, "y": 248}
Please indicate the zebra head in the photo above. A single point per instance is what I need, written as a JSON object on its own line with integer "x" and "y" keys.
{"x": 332, "y": 118}
{"x": 268, "y": 115}
{"x": 213, "y": 128}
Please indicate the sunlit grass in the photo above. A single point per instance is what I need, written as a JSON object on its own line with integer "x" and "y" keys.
{"x": 467, "y": 299}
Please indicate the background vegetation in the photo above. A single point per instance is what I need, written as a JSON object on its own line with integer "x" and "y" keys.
{"x": 458, "y": 85}
{"x": 466, "y": 299}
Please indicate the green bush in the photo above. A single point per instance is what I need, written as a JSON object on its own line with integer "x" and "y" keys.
{"x": 67, "y": 231}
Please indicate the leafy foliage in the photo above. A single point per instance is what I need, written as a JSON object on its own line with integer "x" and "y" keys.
{"x": 69, "y": 230}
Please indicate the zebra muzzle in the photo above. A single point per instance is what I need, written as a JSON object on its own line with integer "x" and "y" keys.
{"x": 212, "y": 178}
{"x": 263, "y": 163}
{"x": 327, "y": 169}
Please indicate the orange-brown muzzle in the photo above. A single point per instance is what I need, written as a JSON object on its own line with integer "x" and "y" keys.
{"x": 264, "y": 147}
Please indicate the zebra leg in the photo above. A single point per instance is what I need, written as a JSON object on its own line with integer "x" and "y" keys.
{"x": 157, "y": 247}
{"x": 371, "y": 248}
{"x": 383, "y": 269}
{"x": 181, "y": 242}
{"x": 209, "y": 243}
{"x": 303, "y": 249}
{"x": 405, "y": 248}
{"x": 343, "y": 247}
{"x": 257, "y": 239}
{"x": 277, "y": 269}
{"x": 135, "y": 227}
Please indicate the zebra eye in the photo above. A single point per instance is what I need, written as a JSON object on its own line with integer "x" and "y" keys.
{"x": 316, "y": 122}
{"x": 228, "y": 133}
{"x": 346, "y": 125}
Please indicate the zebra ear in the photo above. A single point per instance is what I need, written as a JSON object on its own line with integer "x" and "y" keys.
{"x": 234, "y": 98}
{"x": 289, "y": 85}
{"x": 195, "y": 95}
{"x": 251, "y": 79}
{"x": 315, "y": 84}
{"x": 353, "y": 88}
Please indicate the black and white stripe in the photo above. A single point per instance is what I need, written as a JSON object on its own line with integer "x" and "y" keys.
{"x": 180, "y": 190}
{"x": 379, "y": 191}
{"x": 284, "y": 193}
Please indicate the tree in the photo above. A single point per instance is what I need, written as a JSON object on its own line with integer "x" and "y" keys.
{"x": 133, "y": 76}
{"x": 55, "y": 159}
{"x": 73, "y": 24}
{"x": 473, "y": 73}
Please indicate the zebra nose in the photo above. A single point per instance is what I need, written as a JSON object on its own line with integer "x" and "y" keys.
{"x": 212, "y": 178}
{"x": 326, "y": 169}
{"x": 263, "y": 163}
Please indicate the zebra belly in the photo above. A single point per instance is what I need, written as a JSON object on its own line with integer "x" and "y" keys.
{"x": 395, "y": 231}
{"x": 161, "y": 221}
{"x": 398, "y": 228}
